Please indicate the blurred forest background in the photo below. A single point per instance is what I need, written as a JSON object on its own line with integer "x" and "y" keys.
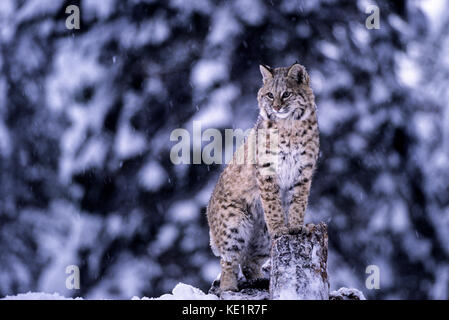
{"x": 86, "y": 115}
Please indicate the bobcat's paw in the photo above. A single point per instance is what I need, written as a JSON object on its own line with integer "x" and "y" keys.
{"x": 298, "y": 229}
{"x": 280, "y": 232}
{"x": 228, "y": 282}
{"x": 227, "y": 286}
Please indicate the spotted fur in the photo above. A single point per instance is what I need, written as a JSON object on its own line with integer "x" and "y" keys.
{"x": 249, "y": 206}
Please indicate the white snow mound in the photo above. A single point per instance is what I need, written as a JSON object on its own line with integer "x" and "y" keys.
{"x": 184, "y": 291}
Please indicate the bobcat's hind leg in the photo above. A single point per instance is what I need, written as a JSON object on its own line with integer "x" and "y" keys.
{"x": 258, "y": 252}
{"x": 233, "y": 248}
{"x": 229, "y": 275}
{"x": 252, "y": 267}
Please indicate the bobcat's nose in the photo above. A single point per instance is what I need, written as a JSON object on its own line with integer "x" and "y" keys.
{"x": 277, "y": 107}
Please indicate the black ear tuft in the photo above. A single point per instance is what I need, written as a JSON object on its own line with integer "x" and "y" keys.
{"x": 267, "y": 67}
{"x": 266, "y": 71}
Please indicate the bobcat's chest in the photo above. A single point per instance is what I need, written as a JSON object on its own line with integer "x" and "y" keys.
{"x": 289, "y": 164}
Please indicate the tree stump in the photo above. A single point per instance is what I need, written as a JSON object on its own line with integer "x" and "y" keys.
{"x": 299, "y": 265}
{"x": 297, "y": 270}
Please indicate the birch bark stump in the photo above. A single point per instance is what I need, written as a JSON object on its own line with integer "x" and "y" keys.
{"x": 299, "y": 265}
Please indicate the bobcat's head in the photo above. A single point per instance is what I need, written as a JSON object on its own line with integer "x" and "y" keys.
{"x": 285, "y": 93}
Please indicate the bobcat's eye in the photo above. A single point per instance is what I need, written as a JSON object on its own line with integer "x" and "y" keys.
{"x": 270, "y": 95}
{"x": 286, "y": 94}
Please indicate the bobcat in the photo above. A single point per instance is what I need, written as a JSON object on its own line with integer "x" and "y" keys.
{"x": 248, "y": 207}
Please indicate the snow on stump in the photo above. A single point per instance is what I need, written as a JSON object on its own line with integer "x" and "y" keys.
{"x": 299, "y": 265}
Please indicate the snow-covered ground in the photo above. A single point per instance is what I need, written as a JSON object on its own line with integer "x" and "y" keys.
{"x": 180, "y": 292}
{"x": 39, "y": 296}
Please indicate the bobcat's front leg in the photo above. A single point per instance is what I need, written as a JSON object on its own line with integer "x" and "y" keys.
{"x": 299, "y": 199}
{"x": 272, "y": 205}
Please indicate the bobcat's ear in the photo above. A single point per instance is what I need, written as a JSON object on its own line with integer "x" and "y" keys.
{"x": 298, "y": 73}
{"x": 266, "y": 72}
